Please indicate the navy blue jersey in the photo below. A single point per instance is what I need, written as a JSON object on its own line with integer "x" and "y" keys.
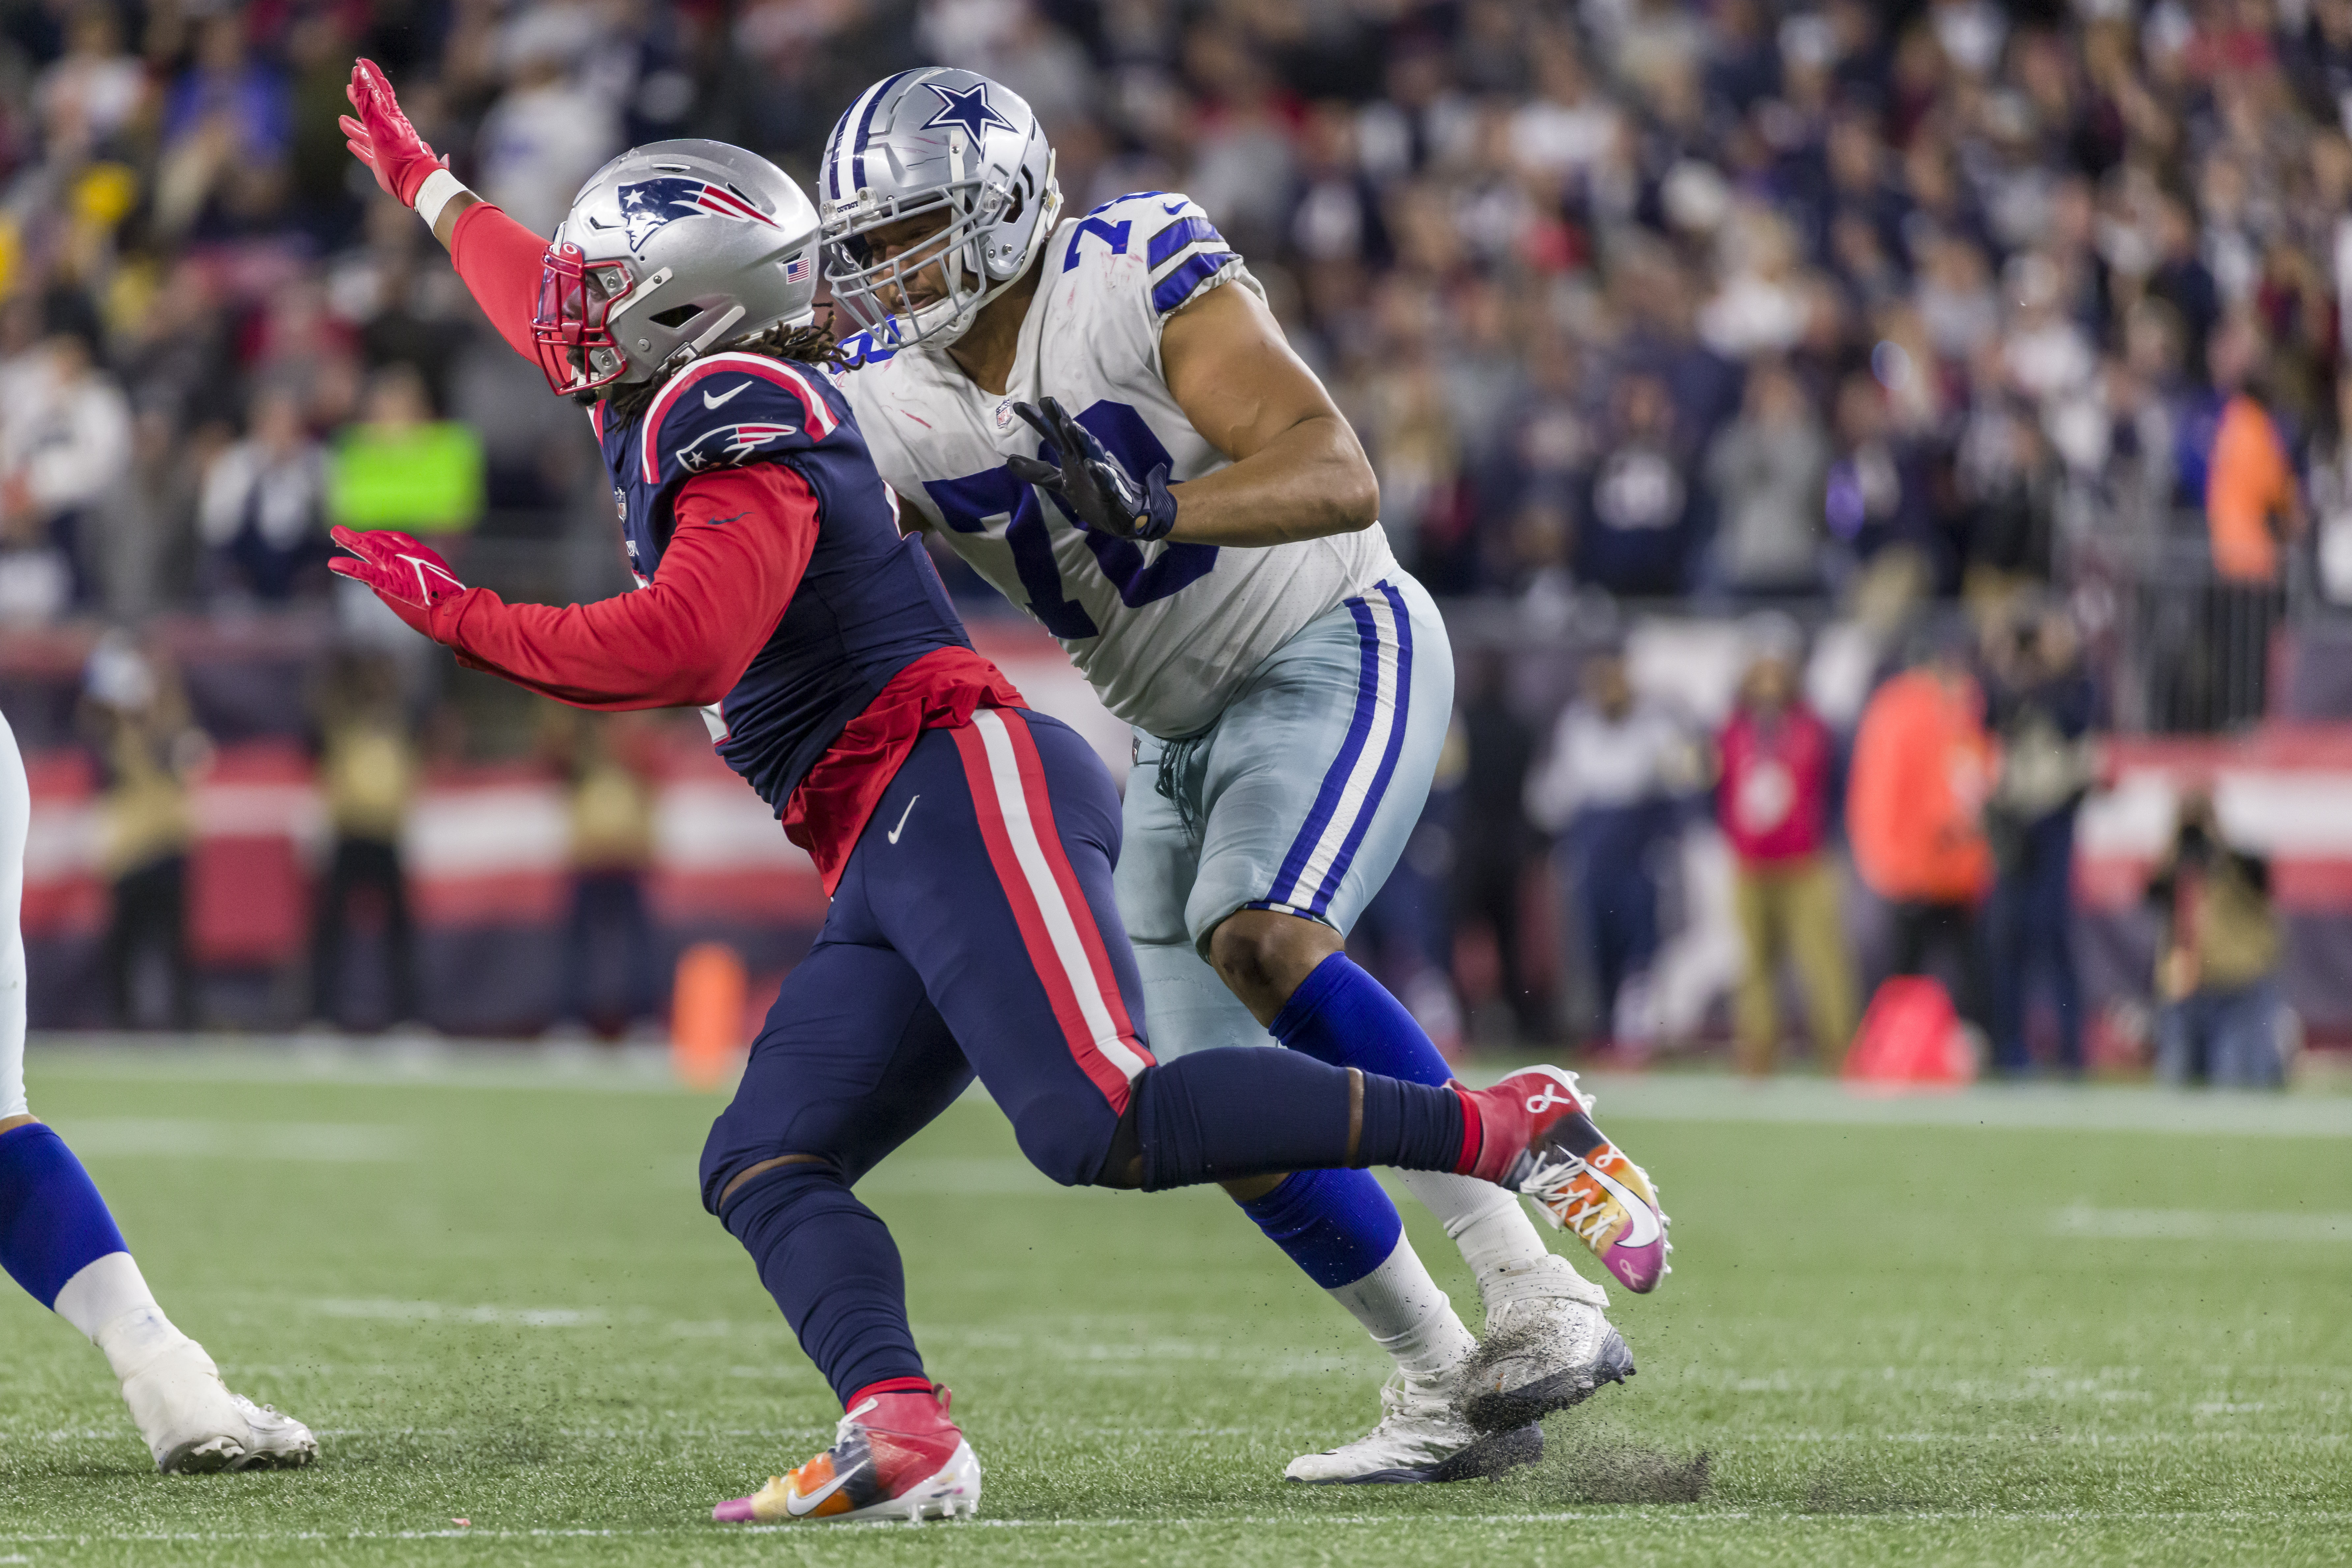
{"x": 870, "y": 603}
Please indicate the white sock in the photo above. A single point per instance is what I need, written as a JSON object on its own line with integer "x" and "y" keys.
{"x": 1403, "y": 1308}
{"x": 108, "y": 1301}
{"x": 1489, "y": 1225}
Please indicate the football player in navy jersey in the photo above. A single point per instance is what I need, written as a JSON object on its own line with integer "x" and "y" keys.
{"x": 966, "y": 842}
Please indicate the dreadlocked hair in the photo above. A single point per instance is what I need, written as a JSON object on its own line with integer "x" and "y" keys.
{"x": 812, "y": 344}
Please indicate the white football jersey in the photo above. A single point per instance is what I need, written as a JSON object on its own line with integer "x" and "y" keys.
{"x": 1165, "y": 632}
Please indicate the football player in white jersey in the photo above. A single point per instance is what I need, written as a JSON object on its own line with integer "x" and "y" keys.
{"x": 1101, "y": 415}
{"x": 58, "y": 1241}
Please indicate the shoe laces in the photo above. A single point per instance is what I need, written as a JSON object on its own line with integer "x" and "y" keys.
{"x": 1407, "y": 1397}
{"x": 1586, "y": 1213}
{"x": 849, "y": 1421}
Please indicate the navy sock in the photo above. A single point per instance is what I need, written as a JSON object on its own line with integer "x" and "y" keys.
{"x": 832, "y": 1266}
{"x": 1342, "y": 1016}
{"x": 53, "y": 1224}
{"x": 1243, "y": 1111}
{"x": 1412, "y": 1126}
{"x": 1338, "y": 1226}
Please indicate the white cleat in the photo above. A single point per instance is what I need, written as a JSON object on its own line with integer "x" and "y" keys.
{"x": 194, "y": 1425}
{"x": 1420, "y": 1437}
{"x": 1547, "y": 1347}
{"x": 279, "y": 1442}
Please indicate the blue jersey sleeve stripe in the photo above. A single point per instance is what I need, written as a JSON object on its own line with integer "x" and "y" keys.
{"x": 1177, "y": 287}
{"x": 1179, "y": 233}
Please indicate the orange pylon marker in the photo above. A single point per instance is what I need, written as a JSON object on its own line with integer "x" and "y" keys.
{"x": 705, "y": 1015}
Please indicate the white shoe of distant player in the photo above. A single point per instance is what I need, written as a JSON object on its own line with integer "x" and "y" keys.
{"x": 1420, "y": 1437}
{"x": 194, "y": 1424}
{"x": 1546, "y": 1347}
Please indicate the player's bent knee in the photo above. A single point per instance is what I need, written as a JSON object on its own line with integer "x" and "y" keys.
{"x": 1067, "y": 1132}
{"x": 735, "y": 1182}
{"x": 10, "y": 1124}
{"x": 1262, "y": 955}
{"x": 780, "y": 1193}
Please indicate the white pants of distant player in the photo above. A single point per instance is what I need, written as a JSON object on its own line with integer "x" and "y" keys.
{"x": 1339, "y": 727}
{"x": 190, "y": 1420}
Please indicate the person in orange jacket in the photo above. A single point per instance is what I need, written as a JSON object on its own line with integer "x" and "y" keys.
{"x": 1922, "y": 766}
{"x": 2251, "y": 502}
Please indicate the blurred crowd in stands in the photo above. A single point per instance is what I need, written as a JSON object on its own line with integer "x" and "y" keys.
{"x": 1652, "y": 297}
{"x": 1707, "y": 305}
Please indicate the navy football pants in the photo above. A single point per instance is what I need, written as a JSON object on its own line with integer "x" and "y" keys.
{"x": 967, "y": 933}
{"x": 974, "y": 930}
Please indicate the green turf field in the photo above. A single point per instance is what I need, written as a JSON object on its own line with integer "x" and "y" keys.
{"x": 2041, "y": 1327}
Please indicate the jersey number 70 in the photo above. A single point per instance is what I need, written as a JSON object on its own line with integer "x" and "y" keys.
{"x": 968, "y": 503}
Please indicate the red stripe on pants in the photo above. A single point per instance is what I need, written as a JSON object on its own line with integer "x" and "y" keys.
{"x": 1028, "y": 913}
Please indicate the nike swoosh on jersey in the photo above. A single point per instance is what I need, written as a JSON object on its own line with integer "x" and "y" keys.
{"x": 902, "y": 820}
{"x": 710, "y": 402}
{"x": 800, "y": 1507}
{"x": 1174, "y": 209}
{"x": 1641, "y": 1222}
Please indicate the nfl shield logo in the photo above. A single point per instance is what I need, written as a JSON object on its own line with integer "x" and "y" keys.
{"x": 1004, "y": 415}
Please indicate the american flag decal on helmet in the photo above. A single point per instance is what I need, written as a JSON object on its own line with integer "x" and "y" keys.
{"x": 796, "y": 271}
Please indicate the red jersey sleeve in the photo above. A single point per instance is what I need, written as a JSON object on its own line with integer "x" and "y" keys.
{"x": 500, "y": 260}
{"x": 745, "y": 537}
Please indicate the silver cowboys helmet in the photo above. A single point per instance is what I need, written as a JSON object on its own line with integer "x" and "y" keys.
{"x": 943, "y": 141}
{"x": 670, "y": 250}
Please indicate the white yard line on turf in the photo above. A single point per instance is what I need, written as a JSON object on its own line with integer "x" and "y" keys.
{"x": 433, "y": 1062}
{"x": 2116, "y": 1108}
{"x": 174, "y": 1138}
{"x": 2198, "y": 1225}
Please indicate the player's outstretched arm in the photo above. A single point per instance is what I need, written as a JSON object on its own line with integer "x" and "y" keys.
{"x": 1298, "y": 471}
{"x": 497, "y": 257}
{"x": 743, "y": 539}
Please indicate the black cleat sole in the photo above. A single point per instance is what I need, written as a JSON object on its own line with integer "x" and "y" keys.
{"x": 1489, "y": 1456}
{"x": 1505, "y": 1410}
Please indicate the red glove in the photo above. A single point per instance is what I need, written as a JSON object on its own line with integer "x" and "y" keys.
{"x": 381, "y": 137}
{"x": 406, "y": 572}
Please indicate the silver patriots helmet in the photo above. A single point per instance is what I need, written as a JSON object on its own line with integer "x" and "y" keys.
{"x": 938, "y": 140}
{"x": 670, "y": 250}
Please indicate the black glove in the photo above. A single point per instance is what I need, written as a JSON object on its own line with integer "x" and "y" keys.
{"x": 1093, "y": 486}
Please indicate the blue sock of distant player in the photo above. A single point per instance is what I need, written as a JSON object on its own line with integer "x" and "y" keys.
{"x": 1341, "y": 1229}
{"x": 831, "y": 1264}
{"x": 58, "y": 1240}
{"x": 1337, "y": 1225}
{"x": 53, "y": 1224}
{"x": 1342, "y": 1016}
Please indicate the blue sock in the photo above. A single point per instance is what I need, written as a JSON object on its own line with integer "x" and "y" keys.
{"x": 1338, "y": 1226}
{"x": 53, "y": 1224}
{"x": 1342, "y": 1016}
{"x": 1243, "y": 1111}
{"x": 831, "y": 1264}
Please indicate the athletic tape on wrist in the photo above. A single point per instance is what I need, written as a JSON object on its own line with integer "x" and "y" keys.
{"x": 433, "y": 194}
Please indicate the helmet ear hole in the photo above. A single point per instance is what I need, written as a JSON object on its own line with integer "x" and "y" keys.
{"x": 675, "y": 317}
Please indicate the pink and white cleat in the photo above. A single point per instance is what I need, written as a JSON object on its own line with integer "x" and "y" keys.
{"x": 1538, "y": 1138}
{"x": 896, "y": 1455}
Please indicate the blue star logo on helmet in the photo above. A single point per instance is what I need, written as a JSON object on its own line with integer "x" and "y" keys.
{"x": 649, "y": 205}
{"x": 969, "y": 108}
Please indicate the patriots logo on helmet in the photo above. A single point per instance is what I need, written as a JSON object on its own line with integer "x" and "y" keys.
{"x": 969, "y": 108}
{"x": 648, "y": 205}
{"x": 726, "y": 444}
